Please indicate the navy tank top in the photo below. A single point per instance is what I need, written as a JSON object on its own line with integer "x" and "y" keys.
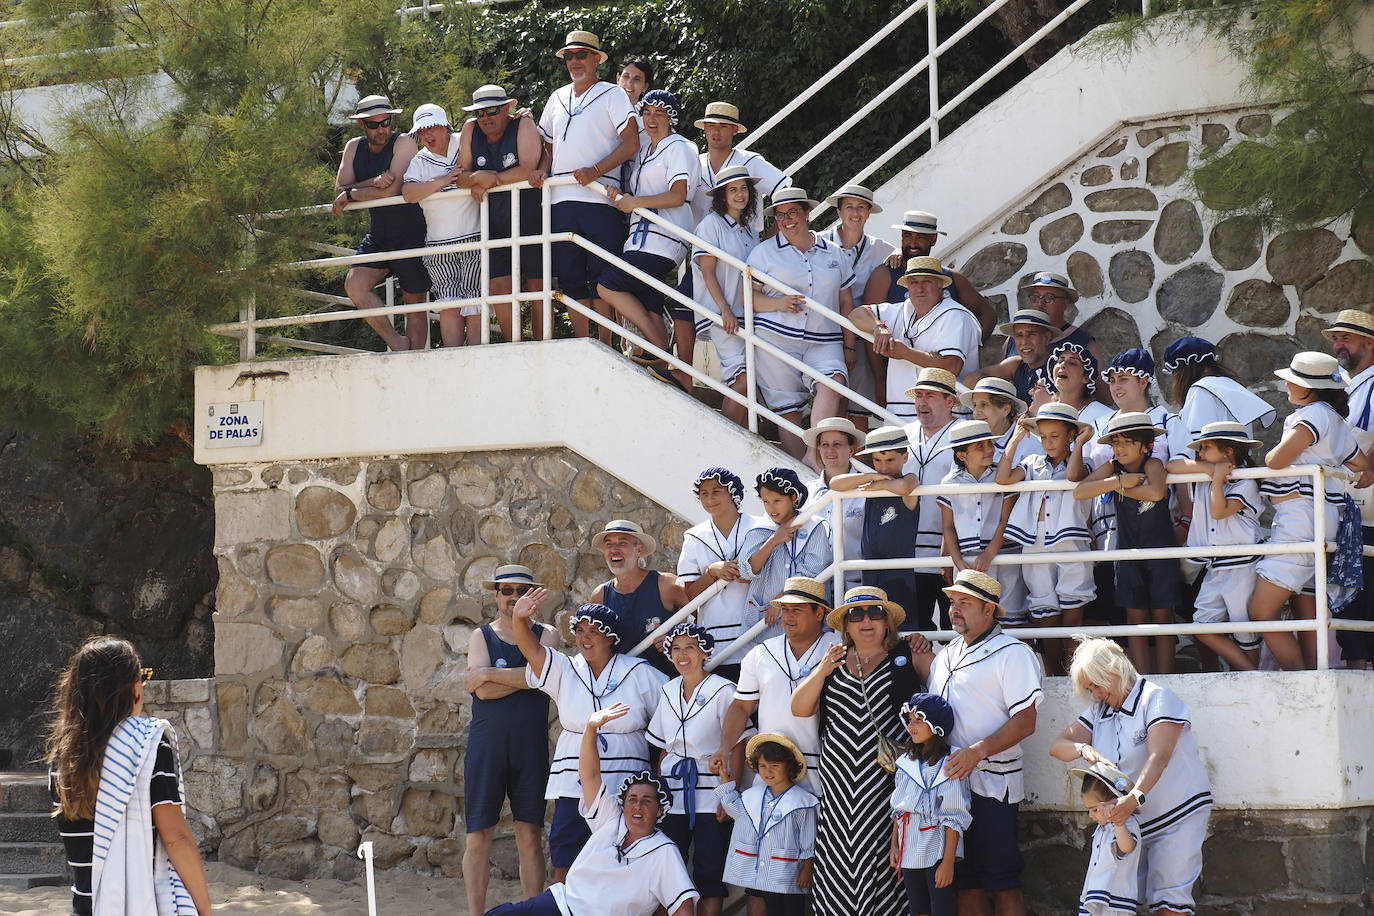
{"x": 497, "y": 157}
{"x": 889, "y": 528}
{"x": 1025, "y": 379}
{"x": 403, "y": 224}
{"x": 640, "y": 613}
{"x": 513, "y": 710}
{"x": 1141, "y": 524}
{"x": 896, "y": 292}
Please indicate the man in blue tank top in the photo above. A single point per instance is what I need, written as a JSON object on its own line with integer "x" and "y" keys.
{"x": 642, "y": 598}
{"x": 1052, "y": 294}
{"x": 372, "y": 167}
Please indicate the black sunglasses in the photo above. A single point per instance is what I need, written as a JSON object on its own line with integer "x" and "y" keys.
{"x": 491, "y": 112}
{"x": 513, "y": 589}
{"x": 377, "y": 125}
{"x": 577, "y": 55}
{"x": 871, "y": 611}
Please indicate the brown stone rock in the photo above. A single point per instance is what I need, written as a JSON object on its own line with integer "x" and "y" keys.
{"x": 589, "y": 490}
{"x": 1245, "y": 869}
{"x": 378, "y": 810}
{"x": 314, "y": 654}
{"x": 1118, "y": 199}
{"x": 240, "y": 848}
{"x": 321, "y": 788}
{"x": 1114, "y": 329}
{"x": 548, "y": 565}
{"x": 388, "y": 851}
{"x": 554, "y": 470}
{"x": 348, "y": 620}
{"x": 281, "y": 730}
{"x": 1258, "y": 304}
{"x": 440, "y": 719}
{"x": 1253, "y": 357}
{"x": 422, "y": 652}
{"x": 336, "y": 828}
{"x": 427, "y": 813}
{"x": 329, "y": 696}
{"x": 1085, "y": 274}
{"x": 384, "y": 495}
{"x": 390, "y": 620}
{"x": 214, "y": 784}
{"x": 323, "y": 512}
{"x": 392, "y": 540}
{"x": 1130, "y": 169}
{"x": 994, "y": 264}
{"x": 263, "y": 793}
{"x": 473, "y": 485}
{"x": 1214, "y": 136}
{"x": 303, "y": 613}
{"x": 297, "y": 475}
{"x": 432, "y": 765}
{"x": 234, "y": 595}
{"x": 224, "y": 478}
{"x": 564, "y": 529}
{"x": 1153, "y": 134}
{"x": 295, "y": 566}
{"x": 1255, "y": 125}
{"x": 1062, "y": 234}
{"x": 437, "y": 559}
{"x": 343, "y": 473}
{"x": 1349, "y": 284}
{"x": 1132, "y": 274}
{"x": 232, "y": 701}
{"x": 292, "y": 861}
{"x": 436, "y": 607}
{"x": 334, "y": 741}
{"x": 251, "y": 515}
{"x": 401, "y": 584}
{"x": 428, "y": 492}
{"x": 1179, "y": 235}
{"x": 469, "y": 609}
{"x": 1300, "y": 257}
{"x": 376, "y": 664}
{"x": 246, "y": 648}
{"x": 1167, "y": 164}
{"x": 274, "y": 475}
{"x": 1362, "y": 227}
{"x": 376, "y": 777}
{"x": 446, "y": 855}
{"x": 1111, "y": 149}
{"x": 388, "y": 702}
{"x": 1116, "y": 231}
{"x": 1190, "y": 296}
{"x": 1236, "y": 242}
{"x": 355, "y": 578}
{"x": 496, "y": 532}
{"x": 384, "y": 740}
{"x": 1055, "y": 197}
{"x": 1096, "y": 175}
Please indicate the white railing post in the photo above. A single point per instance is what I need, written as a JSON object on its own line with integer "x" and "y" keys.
{"x": 484, "y": 255}
{"x": 546, "y": 204}
{"x": 933, "y": 49}
{"x": 1319, "y": 570}
{"x": 517, "y": 283}
{"x": 837, "y": 536}
{"x": 751, "y": 385}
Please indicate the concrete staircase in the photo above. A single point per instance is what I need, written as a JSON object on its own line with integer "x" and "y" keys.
{"x": 31, "y": 853}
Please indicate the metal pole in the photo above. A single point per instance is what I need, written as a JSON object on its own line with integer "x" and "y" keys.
{"x": 751, "y": 389}
{"x": 1319, "y": 571}
{"x": 484, "y": 209}
{"x": 546, "y": 204}
{"x": 932, "y": 48}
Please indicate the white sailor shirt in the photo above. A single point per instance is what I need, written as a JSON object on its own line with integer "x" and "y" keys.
{"x": 1066, "y": 518}
{"x": 924, "y": 802}
{"x": 450, "y": 212}
{"x": 930, "y": 461}
{"x": 583, "y": 130}
{"x": 1112, "y": 884}
{"x": 691, "y": 728}
{"x": 863, "y": 258}
{"x": 948, "y": 329}
{"x": 724, "y": 614}
{"x": 1210, "y": 400}
{"x": 976, "y": 515}
{"x": 770, "y": 181}
{"x": 1240, "y": 528}
{"x": 1030, "y": 445}
{"x": 1333, "y": 445}
{"x": 987, "y": 683}
{"x": 654, "y": 171}
{"x": 569, "y": 681}
{"x": 817, "y": 273}
{"x": 806, "y": 554}
{"x": 766, "y": 854}
{"x": 852, "y": 514}
{"x": 734, "y": 239}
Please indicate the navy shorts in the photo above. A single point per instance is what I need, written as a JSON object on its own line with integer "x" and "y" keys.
{"x": 497, "y": 767}
{"x": 992, "y": 859}
{"x": 1148, "y": 584}
{"x": 541, "y": 905}
{"x": 568, "y": 833}
{"x": 409, "y": 272}
{"x": 577, "y": 269}
{"x": 499, "y": 227}
{"x": 687, "y": 287}
{"x": 923, "y": 896}
{"x": 711, "y": 840}
{"x": 656, "y": 266}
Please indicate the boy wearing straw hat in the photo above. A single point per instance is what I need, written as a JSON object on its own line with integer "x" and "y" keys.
{"x": 589, "y": 129}
{"x": 721, "y": 123}
{"x": 934, "y": 394}
{"x": 974, "y": 523}
{"x": 500, "y": 761}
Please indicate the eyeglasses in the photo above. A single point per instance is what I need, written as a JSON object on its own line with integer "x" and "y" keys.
{"x": 377, "y": 125}
{"x": 491, "y": 112}
{"x": 513, "y": 589}
{"x": 576, "y": 55}
{"x": 1039, "y": 298}
{"x": 871, "y": 612}
{"x": 788, "y": 214}
{"x": 145, "y": 675}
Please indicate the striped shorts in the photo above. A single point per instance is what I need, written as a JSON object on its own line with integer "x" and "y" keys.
{"x": 457, "y": 274}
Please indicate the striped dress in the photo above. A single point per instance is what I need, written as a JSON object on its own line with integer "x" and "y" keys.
{"x": 855, "y": 830}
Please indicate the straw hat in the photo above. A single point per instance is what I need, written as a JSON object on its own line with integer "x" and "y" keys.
{"x": 373, "y": 106}
{"x": 886, "y": 439}
{"x": 1033, "y": 317}
{"x": 733, "y": 173}
{"x": 512, "y": 575}
{"x": 791, "y": 195}
{"x": 865, "y": 596}
{"x": 1110, "y": 776}
{"x": 919, "y": 221}
{"x": 966, "y": 432}
{"x": 1311, "y": 369}
{"x": 935, "y": 379}
{"x": 801, "y": 590}
{"x": 1352, "y": 321}
{"x": 1226, "y": 431}
{"x": 580, "y": 40}
{"x": 833, "y": 425}
{"x": 1128, "y": 422}
{"x": 978, "y": 585}
{"x": 429, "y": 115}
{"x": 1054, "y": 411}
{"x": 997, "y": 386}
{"x": 1053, "y": 281}
{"x": 625, "y": 526}
{"x": 857, "y": 191}
{"x": 924, "y": 266}
{"x": 751, "y": 749}
{"x": 721, "y": 113}
{"x": 489, "y": 96}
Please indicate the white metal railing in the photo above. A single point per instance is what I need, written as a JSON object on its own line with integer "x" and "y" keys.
{"x": 1317, "y": 547}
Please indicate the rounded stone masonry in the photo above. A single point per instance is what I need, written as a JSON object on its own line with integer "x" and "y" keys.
{"x": 1300, "y": 257}
{"x": 1115, "y": 231}
{"x": 1258, "y": 303}
{"x": 1054, "y": 198}
{"x": 1179, "y": 235}
{"x": 1116, "y": 199}
{"x": 1062, "y": 234}
{"x": 1132, "y": 274}
{"x": 323, "y": 512}
{"x": 1167, "y": 164}
{"x": 1085, "y": 274}
{"x": 1190, "y": 296}
{"x": 1350, "y": 283}
{"x": 995, "y": 264}
{"x": 1236, "y": 243}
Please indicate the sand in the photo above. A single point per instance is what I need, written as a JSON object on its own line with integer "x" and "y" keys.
{"x": 235, "y": 892}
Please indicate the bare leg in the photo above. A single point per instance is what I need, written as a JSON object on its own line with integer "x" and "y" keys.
{"x": 1165, "y": 646}
{"x": 417, "y": 323}
{"x": 581, "y": 324}
{"x": 754, "y": 906}
{"x": 501, "y": 286}
{"x": 973, "y": 903}
{"x": 451, "y": 327}
{"x": 477, "y": 868}
{"x": 536, "y": 312}
{"x": 1009, "y": 903}
{"x": 792, "y": 444}
{"x": 1226, "y": 648}
{"x": 603, "y": 308}
{"x": 358, "y": 284}
{"x": 473, "y": 327}
{"x": 630, "y": 308}
{"x": 1266, "y": 603}
{"x": 685, "y": 333}
{"x": 1305, "y": 608}
{"x": 1053, "y": 652}
{"x": 1139, "y": 646}
{"x": 531, "y": 859}
{"x": 827, "y": 401}
{"x": 736, "y": 412}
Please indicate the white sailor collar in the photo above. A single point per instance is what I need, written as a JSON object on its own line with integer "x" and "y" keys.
{"x": 701, "y": 697}
{"x": 926, "y": 777}
{"x": 820, "y": 243}
{"x": 793, "y": 799}
{"x": 990, "y": 644}
{"x": 1131, "y": 704}
{"x": 641, "y": 847}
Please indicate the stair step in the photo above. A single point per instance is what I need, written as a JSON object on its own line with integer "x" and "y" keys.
{"x": 25, "y": 792}
{"x": 32, "y": 858}
{"x": 27, "y": 827}
{"x": 25, "y": 882}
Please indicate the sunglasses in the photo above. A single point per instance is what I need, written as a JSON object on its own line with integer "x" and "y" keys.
{"x": 377, "y": 125}
{"x": 576, "y": 55}
{"x": 491, "y": 112}
{"x": 145, "y": 675}
{"x": 870, "y": 612}
{"x": 513, "y": 589}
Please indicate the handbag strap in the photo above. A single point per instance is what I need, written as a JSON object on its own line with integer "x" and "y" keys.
{"x": 863, "y": 689}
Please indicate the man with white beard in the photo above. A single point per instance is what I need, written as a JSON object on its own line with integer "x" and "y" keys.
{"x": 642, "y": 598}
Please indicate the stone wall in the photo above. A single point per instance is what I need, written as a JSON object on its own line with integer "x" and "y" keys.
{"x": 1255, "y": 863}
{"x": 1153, "y": 261}
{"x": 212, "y": 783}
{"x": 348, "y": 591}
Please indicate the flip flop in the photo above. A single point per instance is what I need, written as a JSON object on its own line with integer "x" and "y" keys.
{"x": 644, "y": 359}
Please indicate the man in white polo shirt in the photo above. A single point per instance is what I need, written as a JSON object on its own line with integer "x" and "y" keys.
{"x": 993, "y": 683}
{"x": 589, "y": 129}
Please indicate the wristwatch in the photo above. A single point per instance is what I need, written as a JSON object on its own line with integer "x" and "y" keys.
{"x": 348, "y": 192}
{"x": 1139, "y": 797}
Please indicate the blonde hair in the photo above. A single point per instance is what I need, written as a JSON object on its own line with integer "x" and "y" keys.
{"x": 1102, "y": 663}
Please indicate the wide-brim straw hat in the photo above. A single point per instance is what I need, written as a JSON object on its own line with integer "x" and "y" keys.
{"x": 721, "y": 113}
{"x": 580, "y": 40}
{"x": 865, "y": 596}
{"x": 924, "y": 266}
{"x": 1036, "y": 318}
{"x": 489, "y": 96}
{"x": 792, "y": 195}
{"x": 1054, "y": 410}
{"x": 1311, "y": 369}
{"x": 373, "y": 106}
{"x": 1053, "y": 281}
{"x": 802, "y": 590}
{"x": 979, "y": 585}
{"x": 857, "y": 191}
{"x": 833, "y": 425}
{"x": 886, "y": 439}
{"x": 625, "y": 526}
{"x": 997, "y": 386}
{"x": 1352, "y": 321}
{"x": 733, "y": 173}
{"x": 776, "y": 738}
{"x": 1128, "y": 422}
{"x": 1111, "y": 776}
{"x": 1224, "y": 431}
{"x": 512, "y": 575}
{"x": 935, "y": 379}
{"x": 919, "y": 221}
{"x": 966, "y": 432}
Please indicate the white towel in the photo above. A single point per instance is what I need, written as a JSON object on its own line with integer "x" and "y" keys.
{"x": 129, "y": 875}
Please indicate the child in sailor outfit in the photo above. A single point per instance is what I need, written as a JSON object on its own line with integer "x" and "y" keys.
{"x": 1112, "y": 884}
{"x": 975, "y": 523}
{"x": 784, "y": 548}
{"x": 930, "y": 810}
{"x": 774, "y": 837}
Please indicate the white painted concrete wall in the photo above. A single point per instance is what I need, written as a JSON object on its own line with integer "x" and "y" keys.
{"x": 577, "y": 394}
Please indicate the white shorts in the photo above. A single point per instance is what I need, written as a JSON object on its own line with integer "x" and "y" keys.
{"x": 1054, "y": 587}
{"x": 1225, "y": 597}
{"x": 729, "y": 350}
{"x": 1292, "y": 524}
{"x": 1013, "y": 582}
{"x": 1171, "y": 863}
{"x": 785, "y": 389}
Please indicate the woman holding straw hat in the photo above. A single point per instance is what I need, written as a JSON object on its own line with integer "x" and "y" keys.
{"x": 857, "y": 690}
